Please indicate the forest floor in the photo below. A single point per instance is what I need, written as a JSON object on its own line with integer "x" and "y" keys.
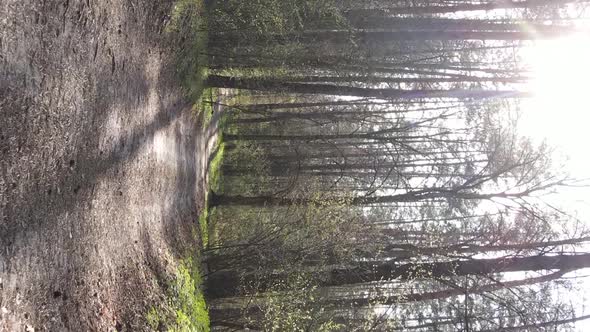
{"x": 103, "y": 164}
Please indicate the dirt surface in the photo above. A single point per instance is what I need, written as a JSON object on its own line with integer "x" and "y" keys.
{"x": 101, "y": 164}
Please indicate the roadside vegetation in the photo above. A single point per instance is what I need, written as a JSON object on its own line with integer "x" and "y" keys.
{"x": 185, "y": 308}
{"x": 188, "y": 35}
{"x": 214, "y": 183}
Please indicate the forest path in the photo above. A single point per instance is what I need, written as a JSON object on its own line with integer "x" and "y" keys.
{"x": 102, "y": 164}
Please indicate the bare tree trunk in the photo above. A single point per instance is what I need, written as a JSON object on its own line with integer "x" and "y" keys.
{"x": 535, "y": 326}
{"x": 335, "y": 90}
{"x": 442, "y": 294}
{"x": 226, "y": 283}
{"x": 439, "y": 9}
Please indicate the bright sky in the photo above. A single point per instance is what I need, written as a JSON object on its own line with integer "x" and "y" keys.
{"x": 559, "y": 113}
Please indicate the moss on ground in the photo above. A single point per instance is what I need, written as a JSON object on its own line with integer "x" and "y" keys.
{"x": 185, "y": 309}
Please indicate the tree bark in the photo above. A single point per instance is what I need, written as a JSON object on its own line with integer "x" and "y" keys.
{"x": 410, "y": 248}
{"x": 434, "y": 23}
{"x": 536, "y": 326}
{"x": 443, "y": 294}
{"x": 410, "y": 196}
{"x": 336, "y": 90}
{"x": 492, "y": 5}
{"x": 227, "y": 283}
{"x": 387, "y": 36}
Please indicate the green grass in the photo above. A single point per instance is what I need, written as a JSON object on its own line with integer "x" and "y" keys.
{"x": 185, "y": 309}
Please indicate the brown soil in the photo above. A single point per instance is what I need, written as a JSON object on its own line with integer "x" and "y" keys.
{"x": 101, "y": 164}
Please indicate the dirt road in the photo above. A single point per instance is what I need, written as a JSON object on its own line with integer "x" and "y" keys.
{"x": 101, "y": 164}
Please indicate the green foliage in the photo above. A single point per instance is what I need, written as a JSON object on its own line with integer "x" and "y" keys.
{"x": 240, "y": 99}
{"x": 215, "y": 173}
{"x": 187, "y": 32}
{"x": 276, "y": 16}
{"x": 251, "y": 158}
{"x": 247, "y": 152}
{"x": 204, "y": 226}
{"x": 290, "y": 310}
{"x": 186, "y": 309}
{"x": 270, "y": 34}
{"x": 257, "y": 72}
{"x": 289, "y": 239}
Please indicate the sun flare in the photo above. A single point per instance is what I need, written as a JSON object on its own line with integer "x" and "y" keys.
{"x": 558, "y": 111}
